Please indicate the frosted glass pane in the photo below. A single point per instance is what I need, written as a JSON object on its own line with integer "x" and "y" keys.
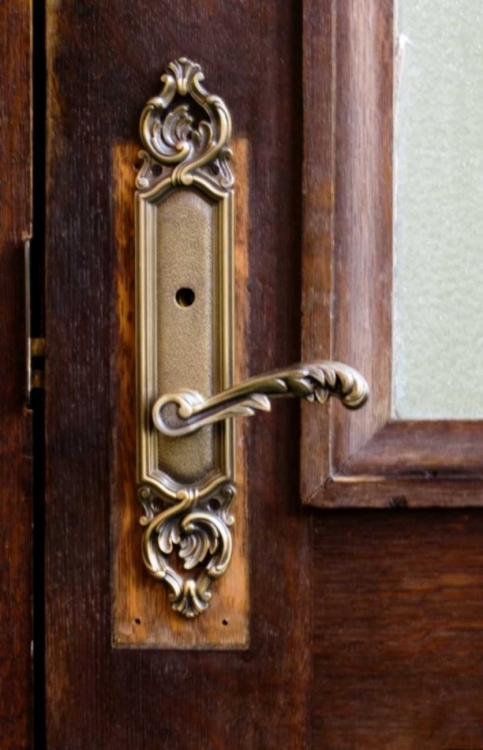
{"x": 438, "y": 272}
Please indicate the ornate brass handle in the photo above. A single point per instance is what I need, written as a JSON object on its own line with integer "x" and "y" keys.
{"x": 186, "y": 411}
{"x": 186, "y": 455}
{"x": 191, "y": 522}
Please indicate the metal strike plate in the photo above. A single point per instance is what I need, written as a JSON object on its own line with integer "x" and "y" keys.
{"x": 185, "y": 342}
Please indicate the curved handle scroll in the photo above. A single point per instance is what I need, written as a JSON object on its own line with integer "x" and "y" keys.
{"x": 186, "y": 411}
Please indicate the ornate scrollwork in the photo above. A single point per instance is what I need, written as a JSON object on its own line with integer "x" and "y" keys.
{"x": 200, "y": 531}
{"x": 186, "y": 411}
{"x": 175, "y": 135}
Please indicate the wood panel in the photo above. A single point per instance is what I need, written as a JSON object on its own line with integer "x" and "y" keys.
{"x": 104, "y": 60}
{"x": 16, "y": 699}
{"x": 364, "y": 459}
{"x": 398, "y": 630}
{"x": 397, "y": 620}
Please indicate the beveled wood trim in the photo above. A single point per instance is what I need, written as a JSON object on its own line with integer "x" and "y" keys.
{"x": 363, "y": 218}
{"x": 398, "y": 492}
{"x": 318, "y": 218}
{"x": 445, "y": 448}
{"x": 363, "y": 459}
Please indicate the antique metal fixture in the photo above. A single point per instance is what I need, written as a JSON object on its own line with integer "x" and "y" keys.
{"x": 185, "y": 341}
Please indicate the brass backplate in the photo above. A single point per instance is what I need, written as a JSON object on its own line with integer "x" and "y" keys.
{"x": 185, "y": 334}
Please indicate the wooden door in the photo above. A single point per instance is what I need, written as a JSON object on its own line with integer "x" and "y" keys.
{"x": 364, "y": 625}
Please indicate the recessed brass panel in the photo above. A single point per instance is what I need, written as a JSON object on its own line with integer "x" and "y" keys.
{"x": 186, "y": 292}
{"x": 183, "y": 343}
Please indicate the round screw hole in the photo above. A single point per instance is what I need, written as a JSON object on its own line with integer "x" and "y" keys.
{"x": 137, "y": 621}
{"x": 224, "y": 622}
{"x": 185, "y": 297}
{"x": 214, "y": 505}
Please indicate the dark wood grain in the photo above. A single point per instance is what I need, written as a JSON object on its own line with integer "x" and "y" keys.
{"x": 105, "y": 59}
{"x": 16, "y": 698}
{"x": 319, "y": 90}
{"x": 398, "y": 630}
{"x": 367, "y": 636}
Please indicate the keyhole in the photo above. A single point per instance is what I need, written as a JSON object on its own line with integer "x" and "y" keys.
{"x": 185, "y": 297}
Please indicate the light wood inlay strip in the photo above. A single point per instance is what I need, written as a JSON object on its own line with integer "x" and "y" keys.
{"x": 141, "y": 612}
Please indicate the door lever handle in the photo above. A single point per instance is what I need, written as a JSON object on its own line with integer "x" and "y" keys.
{"x": 185, "y": 289}
{"x": 186, "y": 411}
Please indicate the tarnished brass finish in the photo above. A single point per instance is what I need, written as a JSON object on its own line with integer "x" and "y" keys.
{"x": 185, "y": 341}
{"x": 184, "y": 261}
{"x": 313, "y": 382}
{"x": 184, "y": 286}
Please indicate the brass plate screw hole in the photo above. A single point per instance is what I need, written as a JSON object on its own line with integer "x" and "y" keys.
{"x": 185, "y": 297}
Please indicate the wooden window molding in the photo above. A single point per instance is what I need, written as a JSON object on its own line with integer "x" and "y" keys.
{"x": 366, "y": 459}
